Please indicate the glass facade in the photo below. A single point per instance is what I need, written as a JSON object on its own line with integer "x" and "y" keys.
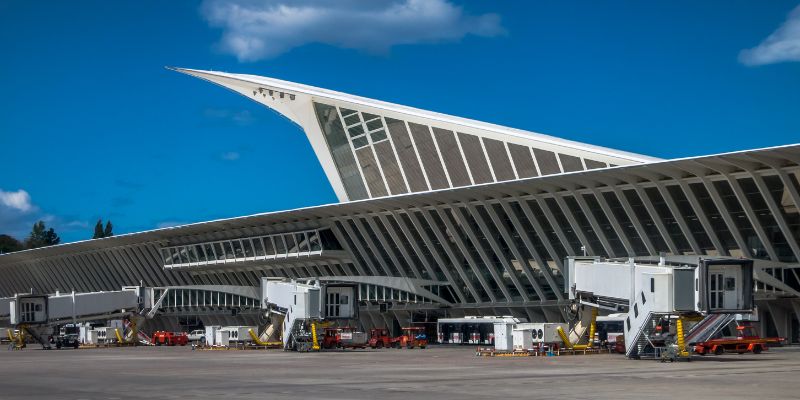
{"x": 342, "y": 154}
{"x": 268, "y": 247}
{"x": 378, "y": 156}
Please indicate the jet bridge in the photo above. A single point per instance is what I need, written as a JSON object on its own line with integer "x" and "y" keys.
{"x": 653, "y": 290}
{"x": 37, "y": 313}
{"x": 304, "y": 306}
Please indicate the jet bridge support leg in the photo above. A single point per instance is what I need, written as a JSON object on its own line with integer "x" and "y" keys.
{"x": 680, "y": 339}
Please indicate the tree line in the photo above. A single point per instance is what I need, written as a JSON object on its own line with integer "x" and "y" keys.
{"x": 42, "y": 236}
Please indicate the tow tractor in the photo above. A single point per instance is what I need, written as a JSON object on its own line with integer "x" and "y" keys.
{"x": 746, "y": 340}
{"x": 170, "y": 338}
{"x": 379, "y": 338}
{"x": 413, "y": 336}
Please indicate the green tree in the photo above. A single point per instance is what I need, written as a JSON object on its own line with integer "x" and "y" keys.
{"x": 98, "y": 229}
{"x": 109, "y": 231}
{"x": 9, "y": 244}
{"x": 41, "y": 236}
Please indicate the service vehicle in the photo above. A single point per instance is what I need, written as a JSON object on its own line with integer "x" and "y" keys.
{"x": 344, "y": 338}
{"x": 379, "y": 338}
{"x": 67, "y": 336}
{"x": 164, "y": 338}
{"x": 413, "y": 336}
{"x": 746, "y": 340}
{"x": 197, "y": 335}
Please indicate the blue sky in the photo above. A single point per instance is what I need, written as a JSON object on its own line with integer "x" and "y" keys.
{"x": 93, "y": 126}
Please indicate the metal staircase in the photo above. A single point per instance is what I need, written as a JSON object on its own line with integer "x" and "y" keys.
{"x": 709, "y": 327}
{"x": 36, "y": 335}
{"x": 639, "y": 325}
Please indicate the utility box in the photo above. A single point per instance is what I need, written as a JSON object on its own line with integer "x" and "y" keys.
{"x": 211, "y": 334}
{"x": 503, "y": 337}
{"x": 92, "y": 337}
{"x": 523, "y": 339}
{"x": 239, "y": 334}
{"x": 223, "y": 338}
{"x": 541, "y": 332}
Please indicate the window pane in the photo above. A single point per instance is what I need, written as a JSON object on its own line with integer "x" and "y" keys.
{"x": 353, "y": 119}
{"x": 209, "y": 252}
{"x": 373, "y": 125}
{"x": 346, "y": 112}
{"x": 291, "y": 246}
{"x": 360, "y": 142}
{"x": 302, "y": 243}
{"x": 166, "y": 257}
{"x": 280, "y": 246}
{"x": 190, "y": 252}
{"x": 248, "y": 248}
{"x": 356, "y": 130}
{"x": 176, "y": 259}
{"x": 259, "y": 247}
{"x": 229, "y": 255}
{"x": 198, "y": 249}
{"x": 220, "y": 252}
{"x": 269, "y": 245}
{"x": 378, "y": 135}
{"x": 314, "y": 242}
{"x": 237, "y": 249}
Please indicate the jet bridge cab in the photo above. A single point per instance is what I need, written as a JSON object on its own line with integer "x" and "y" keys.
{"x": 655, "y": 290}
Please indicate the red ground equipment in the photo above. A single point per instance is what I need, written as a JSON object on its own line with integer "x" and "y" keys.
{"x": 344, "y": 338}
{"x": 412, "y": 337}
{"x": 379, "y": 337}
{"x": 163, "y": 338}
{"x": 746, "y": 340}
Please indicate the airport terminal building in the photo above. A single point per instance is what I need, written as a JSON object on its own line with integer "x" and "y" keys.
{"x": 446, "y": 216}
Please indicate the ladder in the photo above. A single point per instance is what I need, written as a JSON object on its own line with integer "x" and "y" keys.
{"x": 709, "y": 327}
{"x": 639, "y": 325}
{"x": 35, "y": 335}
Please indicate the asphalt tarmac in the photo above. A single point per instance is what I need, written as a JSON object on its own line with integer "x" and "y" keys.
{"x": 435, "y": 372}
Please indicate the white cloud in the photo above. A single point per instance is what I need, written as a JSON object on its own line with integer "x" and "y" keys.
{"x": 254, "y": 30}
{"x": 782, "y": 45}
{"x": 18, "y": 213}
{"x": 19, "y": 200}
{"x": 230, "y": 156}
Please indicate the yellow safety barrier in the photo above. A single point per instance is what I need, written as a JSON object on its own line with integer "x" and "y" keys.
{"x": 592, "y": 326}
{"x": 119, "y": 337}
{"x": 259, "y": 342}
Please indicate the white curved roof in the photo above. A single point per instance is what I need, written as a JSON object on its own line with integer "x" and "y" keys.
{"x": 431, "y": 115}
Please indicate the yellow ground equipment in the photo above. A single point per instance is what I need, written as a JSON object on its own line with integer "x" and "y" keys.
{"x": 257, "y": 340}
{"x": 681, "y": 342}
{"x": 592, "y": 327}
